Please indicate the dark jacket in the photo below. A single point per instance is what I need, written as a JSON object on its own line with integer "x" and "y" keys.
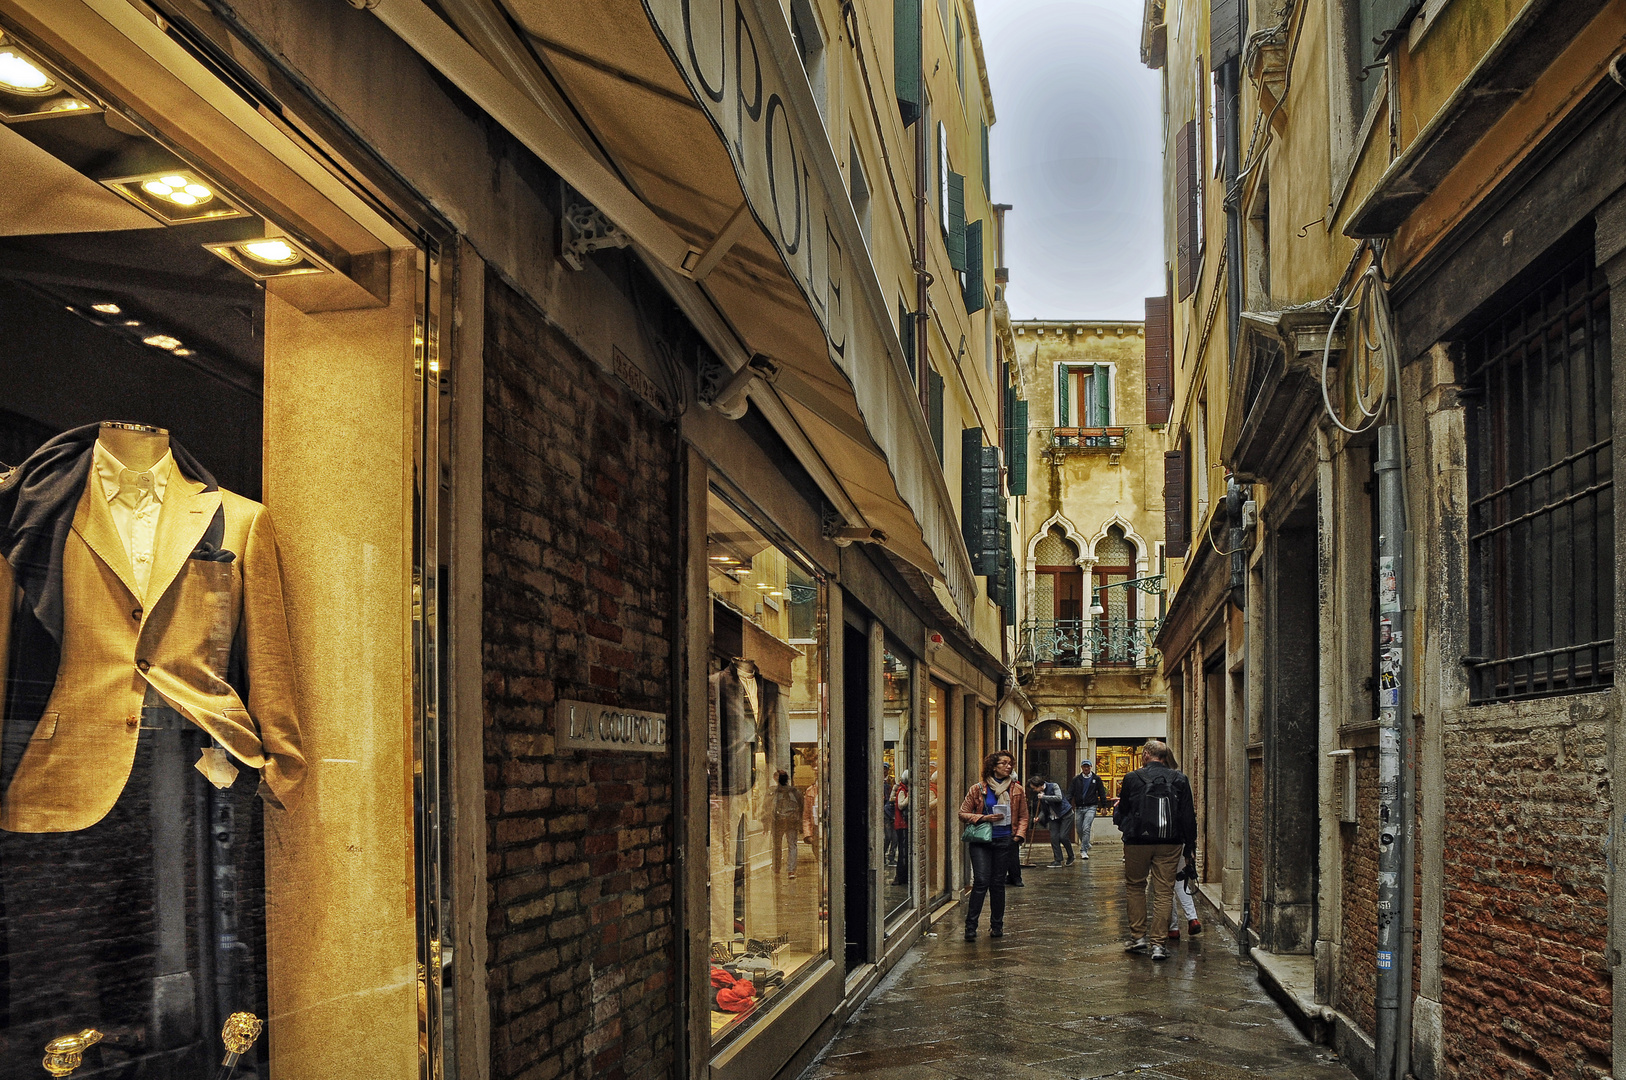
{"x": 1085, "y": 795}
{"x": 1185, "y": 810}
{"x": 736, "y": 735}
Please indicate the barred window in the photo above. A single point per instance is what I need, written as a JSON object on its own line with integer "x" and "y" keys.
{"x": 1541, "y": 491}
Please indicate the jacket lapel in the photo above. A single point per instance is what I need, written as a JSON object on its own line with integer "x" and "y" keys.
{"x": 93, "y": 521}
{"x": 185, "y": 516}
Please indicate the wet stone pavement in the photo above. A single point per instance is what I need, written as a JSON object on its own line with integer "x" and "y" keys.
{"x": 1058, "y": 997}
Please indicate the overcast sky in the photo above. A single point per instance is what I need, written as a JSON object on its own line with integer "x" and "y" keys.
{"x": 1075, "y": 151}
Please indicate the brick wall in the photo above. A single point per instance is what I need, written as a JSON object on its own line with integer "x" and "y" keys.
{"x": 1357, "y": 968}
{"x": 578, "y": 566}
{"x": 1526, "y": 985}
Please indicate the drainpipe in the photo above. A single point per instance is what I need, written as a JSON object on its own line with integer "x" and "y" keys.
{"x": 1242, "y": 947}
{"x": 923, "y": 277}
{"x": 1395, "y": 735}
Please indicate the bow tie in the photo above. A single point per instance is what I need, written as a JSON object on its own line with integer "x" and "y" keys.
{"x": 130, "y": 480}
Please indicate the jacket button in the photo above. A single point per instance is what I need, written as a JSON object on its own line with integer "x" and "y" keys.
{"x": 143, "y": 665}
{"x": 136, "y": 614}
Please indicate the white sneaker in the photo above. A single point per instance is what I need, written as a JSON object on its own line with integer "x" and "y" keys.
{"x": 1084, "y": 855}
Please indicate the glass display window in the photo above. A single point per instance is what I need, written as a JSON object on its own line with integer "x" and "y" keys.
{"x": 210, "y": 632}
{"x": 936, "y": 806}
{"x": 767, "y": 741}
{"x": 898, "y": 787}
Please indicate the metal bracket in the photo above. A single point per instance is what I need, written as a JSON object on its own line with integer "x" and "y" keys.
{"x": 586, "y": 230}
{"x": 726, "y": 390}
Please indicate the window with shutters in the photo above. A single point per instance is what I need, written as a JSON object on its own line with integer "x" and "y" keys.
{"x": 1084, "y": 395}
{"x": 1375, "y": 20}
{"x": 1199, "y": 159}
{"x": 942, "y": 179}
{"x": 906, "y": 335}
{"x": 1541, "y": 515}
{"x": 1116, "y": 640}
{"x": 1218, "y": 112}
{"x": 934, "y": 410}
{"x": 804, "y": 29}
{"x": 974, "y": 288}
{"x": 1187, "y": 246}
{"x": 1174, "y": 504}
{"x": 906, "y": 58}
{"x": 1159, "y": 361}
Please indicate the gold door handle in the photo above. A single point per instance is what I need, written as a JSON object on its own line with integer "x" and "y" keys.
{"x": 239, "y": 1033}
{"x": 65, "y": 1054}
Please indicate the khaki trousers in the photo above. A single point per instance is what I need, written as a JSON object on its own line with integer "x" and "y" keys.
{"x": 1160, "y": 861}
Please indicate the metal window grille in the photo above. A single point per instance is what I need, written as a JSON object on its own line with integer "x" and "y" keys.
{"x": 1541, "y": 492}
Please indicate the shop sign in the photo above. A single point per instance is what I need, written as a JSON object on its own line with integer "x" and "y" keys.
{"x": 719, "y": 46}
{"x": 582, "y": 725}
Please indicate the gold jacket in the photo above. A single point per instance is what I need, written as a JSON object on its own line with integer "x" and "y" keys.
{"x": 114, "y": 647}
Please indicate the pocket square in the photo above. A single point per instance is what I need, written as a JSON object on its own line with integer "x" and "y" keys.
{"x": 207, "y": 552}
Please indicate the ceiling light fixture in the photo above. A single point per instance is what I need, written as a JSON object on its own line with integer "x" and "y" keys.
{"x": 107, "y": 309}
{"x": 28, "y": 89}
{"x": 20, "y": 75}
{"x": 271, "y": 257}
{"x": 176, "y": 196}
{"x": 132, "y": 322}
{"x": 162, "y": 341}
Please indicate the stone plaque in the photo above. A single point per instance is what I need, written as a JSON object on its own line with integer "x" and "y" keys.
{"x": 582, "y": 725}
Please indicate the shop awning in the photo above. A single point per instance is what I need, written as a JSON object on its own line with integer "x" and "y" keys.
{"x": 672, "y": 120}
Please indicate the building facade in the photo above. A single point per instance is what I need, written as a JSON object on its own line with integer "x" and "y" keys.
{"x": 1090, "y": 538}
{"x": 623, "y": 385}
{"x": 1391, "y": 235}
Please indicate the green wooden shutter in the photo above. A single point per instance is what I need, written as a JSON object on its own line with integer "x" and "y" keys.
{"x": 1008, "y": 598}
{"x": 934, "y": 411}
{"x": 906, "y": 334}
{"x": 974, "y": 291}
{"x": 906, "y": 58}
{"x": 992, "y": 516}
{"x": 1016, "y": 450}
{"x": 1100, "y": 404}
{"x": 1063, "y": 416}
{"x": 987, "y": 182}
{"x": 971, "y": 491}
{"x": 956, "y": 213}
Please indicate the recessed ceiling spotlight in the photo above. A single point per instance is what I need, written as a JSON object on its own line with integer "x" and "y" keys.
{"x": 107, "y": 309}
{"x": 271, "y": 257}
{"x": 20, "y": 75}
{"x": 132, "y": 322}
{"x": 272, "y": 252}
{"x": 183, "y": 352}
{"x": 162, "y": 341}
{"x": 176, "y": 196}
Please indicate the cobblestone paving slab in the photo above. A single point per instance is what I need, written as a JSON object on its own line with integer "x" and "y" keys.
{"x": 1058, "y": 999}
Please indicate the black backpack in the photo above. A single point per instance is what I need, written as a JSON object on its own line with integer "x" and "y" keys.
{"x": 1152, "y": 813}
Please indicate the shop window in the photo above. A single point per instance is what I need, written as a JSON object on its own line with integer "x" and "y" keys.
{"x": 203, "y": 679}
{"x": 1541, "y": 489}
{"x": 936, "y": 806}
{"x": 767, "y": 736}
{"x": 897, "y": 794}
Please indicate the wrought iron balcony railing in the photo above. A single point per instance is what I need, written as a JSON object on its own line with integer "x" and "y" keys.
{"x": 1089, "y": 438}
{"x": 1090, "y": 643}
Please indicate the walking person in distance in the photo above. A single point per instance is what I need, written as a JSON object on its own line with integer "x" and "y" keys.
{"x": 1056, "y": 815}
{"x": 1158, "y": 820}
{"x": 995, "y": 813}
{"x": 1086, "y": 793}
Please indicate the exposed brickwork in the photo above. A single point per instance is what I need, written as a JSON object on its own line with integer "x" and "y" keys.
{"x": 578, "y": 566}
{"x": 1526, "y": 985}
{"x": 1357, "y": 968}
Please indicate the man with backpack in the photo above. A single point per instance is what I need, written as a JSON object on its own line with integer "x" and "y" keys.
{"x": 1158, "y": 820}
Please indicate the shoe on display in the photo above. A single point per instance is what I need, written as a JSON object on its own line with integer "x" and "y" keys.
{"x": 1159, "y": 953}
{"x": 1139, "y": 946}
{"x": 1196, "y": 927}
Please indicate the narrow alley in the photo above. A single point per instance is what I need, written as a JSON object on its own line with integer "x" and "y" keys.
{"x": 1058, "y": 997}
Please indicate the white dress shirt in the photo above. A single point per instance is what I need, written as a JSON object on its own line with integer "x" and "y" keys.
{"x": 134, "y": 498}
